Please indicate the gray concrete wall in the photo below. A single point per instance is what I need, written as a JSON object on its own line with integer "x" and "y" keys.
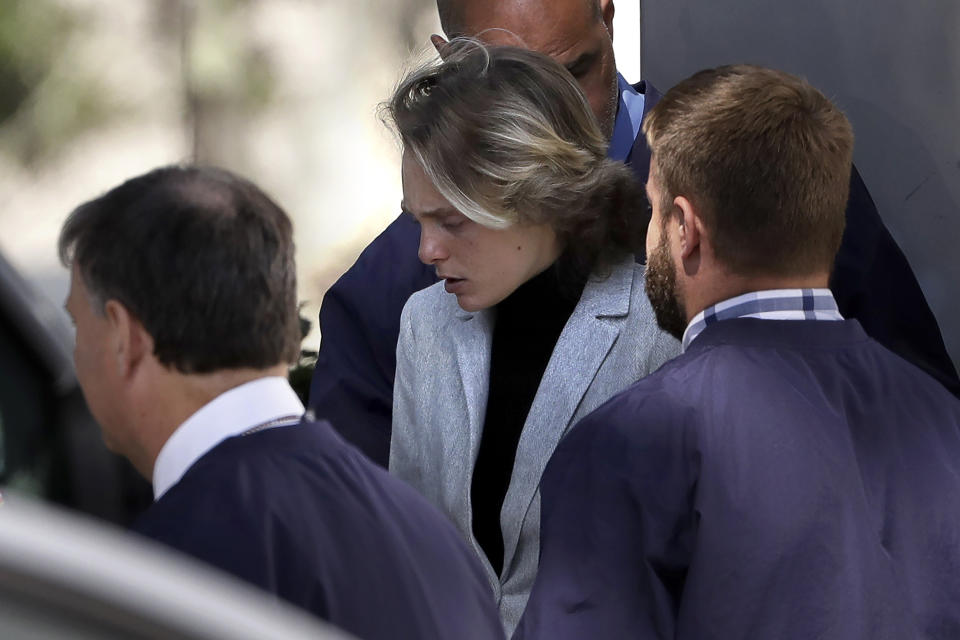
{"x": 892, "y": 65}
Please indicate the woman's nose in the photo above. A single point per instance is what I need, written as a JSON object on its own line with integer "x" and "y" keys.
{"x": 431, "y": 248}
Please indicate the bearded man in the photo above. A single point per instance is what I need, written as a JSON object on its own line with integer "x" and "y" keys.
{"x": 786, "y": 476}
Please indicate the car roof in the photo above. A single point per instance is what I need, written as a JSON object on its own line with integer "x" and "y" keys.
{"x": 39, "y": 324}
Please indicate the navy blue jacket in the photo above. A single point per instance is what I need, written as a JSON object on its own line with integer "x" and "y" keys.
{"x": 301, "y": 514}
{"x": 781, "y": 479}
{"x": 352, "y": 383}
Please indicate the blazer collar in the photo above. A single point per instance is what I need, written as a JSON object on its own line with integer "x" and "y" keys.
{"x": 472, "y": 335}
{"x": 639, "y": 158}
{"x": 606, "y": 294}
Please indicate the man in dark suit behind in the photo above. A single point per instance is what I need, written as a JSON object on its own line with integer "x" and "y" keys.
{"x": 183, "y": 293}
{"x": 360, "y": 317}
{"x": 786, "y": 476}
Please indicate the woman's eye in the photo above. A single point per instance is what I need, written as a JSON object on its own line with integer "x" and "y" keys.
{"x": 452, "y": 224}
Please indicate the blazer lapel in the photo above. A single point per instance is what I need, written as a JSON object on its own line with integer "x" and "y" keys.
{"x": 639, "y": 158}
{"x": 577, "y": 357}
{"x": 472, "y": 338}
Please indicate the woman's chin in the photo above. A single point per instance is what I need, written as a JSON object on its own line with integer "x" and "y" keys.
{"x": 468, "y": 304}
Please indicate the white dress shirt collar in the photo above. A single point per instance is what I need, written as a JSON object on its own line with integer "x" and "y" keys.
{"x": 231, "y": 413}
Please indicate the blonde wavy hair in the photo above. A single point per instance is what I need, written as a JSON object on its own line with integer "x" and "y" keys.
{"x": 507, "y": 137}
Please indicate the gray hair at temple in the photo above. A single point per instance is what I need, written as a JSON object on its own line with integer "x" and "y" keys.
{"x": 507, "y": 137}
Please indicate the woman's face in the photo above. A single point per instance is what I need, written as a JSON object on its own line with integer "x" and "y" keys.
{"x": 481, "y": 266}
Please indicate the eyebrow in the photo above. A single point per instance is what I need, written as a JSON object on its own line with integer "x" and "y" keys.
{"x": 430, "y": 213}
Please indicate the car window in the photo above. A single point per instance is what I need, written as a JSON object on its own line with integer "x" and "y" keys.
{"x": 27, "y": 413}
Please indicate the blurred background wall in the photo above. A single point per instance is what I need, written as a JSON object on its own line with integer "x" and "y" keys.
{"x": 892, "y": 65}
{"x": 284, "y": 92}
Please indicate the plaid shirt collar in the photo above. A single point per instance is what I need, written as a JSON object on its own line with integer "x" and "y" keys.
{"x": 774, "y": 304}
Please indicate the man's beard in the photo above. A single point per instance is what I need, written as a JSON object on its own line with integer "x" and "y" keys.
{"x": 661, "y": 286}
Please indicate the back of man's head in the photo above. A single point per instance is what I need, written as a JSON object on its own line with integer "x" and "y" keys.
{"x": 452, "y": 12}
{"x": 765, "y": 157}
{"x": 578, "y": 34}
{"x": 202, "y": 258}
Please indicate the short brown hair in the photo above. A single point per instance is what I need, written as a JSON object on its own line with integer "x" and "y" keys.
{"x": 508, "y": 138}
{"x": 767, "y": 159}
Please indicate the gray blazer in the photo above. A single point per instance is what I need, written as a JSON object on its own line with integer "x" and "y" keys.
{"x": 440, "y": 397}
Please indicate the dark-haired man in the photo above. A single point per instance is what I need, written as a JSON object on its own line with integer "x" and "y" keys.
{"x": 786, "y": 476}
{"x": 360, "y": 317}
{"x": 183, "y": 293}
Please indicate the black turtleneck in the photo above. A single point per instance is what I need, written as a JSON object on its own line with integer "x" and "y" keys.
{"x": 526, "y": 328}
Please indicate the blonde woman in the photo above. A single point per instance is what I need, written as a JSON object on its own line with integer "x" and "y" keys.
{"x": 541, "y": 315}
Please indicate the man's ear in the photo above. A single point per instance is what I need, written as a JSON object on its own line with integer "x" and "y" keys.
{"x": 691, "y": 228}
{"x": 606, "y": 12}
{"x": 440, "y": 44}
{"x": 130, "y": 342}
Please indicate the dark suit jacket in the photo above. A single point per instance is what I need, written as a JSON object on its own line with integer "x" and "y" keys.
{"x": 781, "y": 479}
{"x": 303, "y": 515}
{"x": 360, "y": 316}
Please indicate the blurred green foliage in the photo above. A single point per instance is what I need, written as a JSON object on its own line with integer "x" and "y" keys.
{"x": 45, "y": 101}
{"x": 50, "y": 93}
{"x": 222, "y": 62}
{"x": 27, "y": 30}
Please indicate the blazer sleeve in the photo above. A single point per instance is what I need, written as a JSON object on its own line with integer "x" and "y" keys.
{"x": 614, "y": 526}
{"x": 352, "y": 383}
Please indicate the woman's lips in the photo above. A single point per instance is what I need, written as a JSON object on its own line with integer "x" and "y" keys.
{"x": 454, "y": 285}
